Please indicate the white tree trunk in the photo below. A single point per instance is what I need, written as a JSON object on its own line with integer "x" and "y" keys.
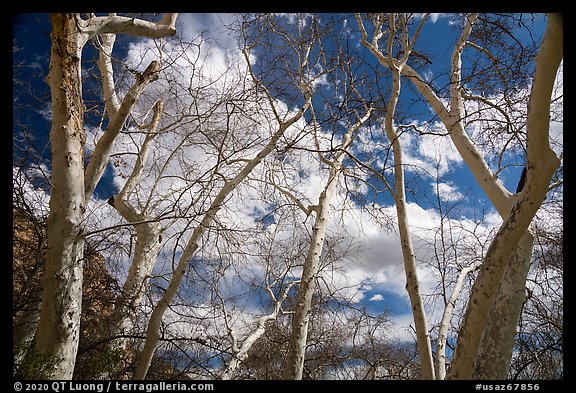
{"x": 297, "y": 346}
{"x": 147, "y": 241}
{"x": 101, "y": 155}
{"x": 499, "y": 336}
{"x": 241, "y": 354}
{"x": 412, "y": 283}
{"x": 59, "y": 324}
{"x": 541, "y": 163}
{"x": 153, "y": 330}
{"x": 445, "y": 322}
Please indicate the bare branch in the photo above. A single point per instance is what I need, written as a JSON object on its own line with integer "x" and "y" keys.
{"x": 124, "y": 25}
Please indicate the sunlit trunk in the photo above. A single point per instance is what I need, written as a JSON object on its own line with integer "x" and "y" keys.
{"x": 58, "y": 328}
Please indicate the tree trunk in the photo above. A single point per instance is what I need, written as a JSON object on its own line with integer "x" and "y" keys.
{"x": 147, "y": 240}
{"x": 412, "y": 283}
{"x": 498, "y": 339}
{"x": 59, "y": 323}
{"x": 242, "y": 353}
{"x": 516, "y": 211}
{"x": 412, "y": 286}
{"x": 58, "y": 328}
{"x": 297, "y": 346}
{"x": 541, "y": 164}
{"x": 25, "y": 331}
{"x": 145, "y": 254}
{"x": 445, "y": 322}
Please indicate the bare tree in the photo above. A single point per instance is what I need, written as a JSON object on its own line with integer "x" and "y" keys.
{"x": 283, "y": 122}
{"x": 517, "y": 210}
{"x": 398, "y": 30}
{"x": 538, "y": 350}
{"x": 295, "y": 359}
{"x": 236, "y": 183}
{"x": 58, "y": 327}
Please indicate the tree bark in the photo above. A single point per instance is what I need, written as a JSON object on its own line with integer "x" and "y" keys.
{"x": 542, "y": 162}
{"x": 58, "y": 327}
{"x": 412, "y": 283}
{"x": 499, "y": 336}
{"x": 25, "y": 331}
{"x": 300, "y": 319}
{"x": 59, "y": 323}
{"x": 297, "y": 345}
{"x": 101, "y": 155}
{"x": 241, "y": 354}
{"x": 115, "y": 24}
{"x": 516, "y": 210}
{"x": 445, "y": 322}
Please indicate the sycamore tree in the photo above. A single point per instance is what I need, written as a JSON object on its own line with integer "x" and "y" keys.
{"x": 72, "y": 183}
{"x": 169, "y": 166}
{"x": 488, "y": 328}
{"x": 255, "y": 185}
{"x": 278, "y": 123}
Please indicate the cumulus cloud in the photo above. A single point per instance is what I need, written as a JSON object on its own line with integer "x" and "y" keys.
{"x": 183, "y": 164}
{"x": 377, "y": 298}
{"x": 447, "y": 191}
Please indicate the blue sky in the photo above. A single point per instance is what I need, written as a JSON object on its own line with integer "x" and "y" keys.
{"x": 31, "y": 31}
{"x": 385, "y": 292}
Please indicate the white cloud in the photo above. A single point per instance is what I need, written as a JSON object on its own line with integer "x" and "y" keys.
{"x": 428, "y": 75}
{"x": 434, "y": 17}
{"x": 447, "y": 191}
{"x": 430, "y": 154}
{"x": 378, "y": 260}
{"x": 211, "y": 25}
{"x": 377, "y": 298}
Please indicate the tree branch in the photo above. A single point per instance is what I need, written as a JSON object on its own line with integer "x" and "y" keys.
{"x": 124, "y": 25}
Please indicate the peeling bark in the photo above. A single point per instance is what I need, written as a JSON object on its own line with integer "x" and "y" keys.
{"x": 542, "y": 162}
{"x": 59, "y": 324}
{"x": 498, "y": 338}
{"x": 517, "y": 210}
